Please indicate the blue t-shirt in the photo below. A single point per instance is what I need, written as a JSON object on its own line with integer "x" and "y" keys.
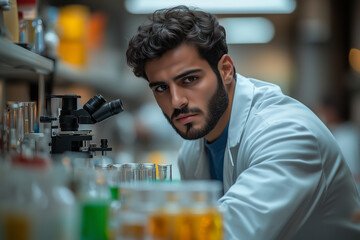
{"x": 215, "y": 153}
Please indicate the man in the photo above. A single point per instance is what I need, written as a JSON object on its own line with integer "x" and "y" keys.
{"x": 282, "y": 171}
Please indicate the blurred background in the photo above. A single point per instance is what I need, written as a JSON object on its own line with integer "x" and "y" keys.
{"x": 311, "y": 49}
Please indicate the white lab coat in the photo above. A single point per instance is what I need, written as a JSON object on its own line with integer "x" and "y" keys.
{"x": 284, "y": 174}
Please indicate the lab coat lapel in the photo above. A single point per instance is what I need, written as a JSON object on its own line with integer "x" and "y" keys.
{"x": 243, "y": 96}
{"x": 239, "y": 114}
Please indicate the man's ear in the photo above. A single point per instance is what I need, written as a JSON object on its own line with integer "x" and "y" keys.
{"x": 226, "y": 68}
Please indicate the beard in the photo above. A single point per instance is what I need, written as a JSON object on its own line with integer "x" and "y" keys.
{"x": 216, "y": 108}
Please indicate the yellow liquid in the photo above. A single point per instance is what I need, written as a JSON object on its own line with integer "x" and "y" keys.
{"x": 160, "y": 225}
{"x": 204, "y": 224}
{"x": 208, "y": 225}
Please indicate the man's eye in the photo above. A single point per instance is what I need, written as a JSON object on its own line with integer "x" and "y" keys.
{"x": 189, "y": 79}
{"x": 160, "y": 88}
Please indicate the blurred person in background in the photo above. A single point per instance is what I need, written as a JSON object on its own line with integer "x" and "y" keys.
{"x": 153, "y": 129}
{"x": 347, "y": 133}
{"x": 283, "y": 173}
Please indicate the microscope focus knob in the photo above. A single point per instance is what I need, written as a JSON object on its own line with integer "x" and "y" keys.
{"x": 104, "y": 143}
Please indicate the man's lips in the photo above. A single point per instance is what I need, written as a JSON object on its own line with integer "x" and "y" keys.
{"x": 185, "y": 118}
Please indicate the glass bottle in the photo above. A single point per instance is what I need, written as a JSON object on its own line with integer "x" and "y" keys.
{"x": 94, "y": 206}
{"x": 39, "y": 44}
{"x": 23, "y": 29}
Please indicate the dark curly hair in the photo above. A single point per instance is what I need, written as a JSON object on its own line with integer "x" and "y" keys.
{"x": 168, "y": 28}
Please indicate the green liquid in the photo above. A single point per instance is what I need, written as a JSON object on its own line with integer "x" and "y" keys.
{"x": 114, "y": 191}
{"x": 94, "y": 222}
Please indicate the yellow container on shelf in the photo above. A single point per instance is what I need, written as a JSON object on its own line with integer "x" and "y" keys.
{"x": 71, "y": 28}
{"x": 11, "y": 21}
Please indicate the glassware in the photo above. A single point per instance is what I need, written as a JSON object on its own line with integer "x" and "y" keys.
{"x": 181, "y": 210}
{"x": 147, "y": 172}
{"x": 3, "y": 138}
{"x": 187, "y": 211}
{"x": 29, "y": 116}
{"x": 13, "y": 124}
{"x": 95, "y": 206}
{"x": 166, "y": 215}
{"x": 136, "y": 202}
{"x": 130, "y": 172}
{"x": 23, "y": 29}
{"x": 20, "y": 124}
{"x": 51, "y": 38}
{"x": 35, "y": 204}
{"x": 165, "y": 172}
{"x": 39, "y": 43}
{"x": 94, "y": 220}
{"x": 200, "y": 211}
{"x": 114, "y": 180}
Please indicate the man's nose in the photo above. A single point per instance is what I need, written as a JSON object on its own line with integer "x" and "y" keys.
{"x": 178, "y": 98}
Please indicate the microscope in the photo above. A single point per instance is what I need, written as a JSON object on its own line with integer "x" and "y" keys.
{"x": 69, "y": 137}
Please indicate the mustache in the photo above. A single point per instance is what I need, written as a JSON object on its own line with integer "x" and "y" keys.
{"x": 177, "y": 111}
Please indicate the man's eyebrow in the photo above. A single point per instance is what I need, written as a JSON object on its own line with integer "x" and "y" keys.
{"x": 181, "y": 75}
{"x": 153, "y": 84}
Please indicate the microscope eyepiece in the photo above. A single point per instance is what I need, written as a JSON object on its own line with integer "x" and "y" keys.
{"x": 94, "y": 103}
{"x": 116, "y": 106}
{"x": 108, "y": 110}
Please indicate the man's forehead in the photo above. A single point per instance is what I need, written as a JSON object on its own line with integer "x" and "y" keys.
{"x": 174, "y": 62}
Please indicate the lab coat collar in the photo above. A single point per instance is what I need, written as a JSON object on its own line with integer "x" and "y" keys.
{"x": 240, "y": 110}
{"x": 239, "y": 113}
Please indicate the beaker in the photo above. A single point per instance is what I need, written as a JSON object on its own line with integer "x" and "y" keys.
{"x": 147, "y": 172}
{"x": 165, "y": 172}
{"x": 130, "y": 172}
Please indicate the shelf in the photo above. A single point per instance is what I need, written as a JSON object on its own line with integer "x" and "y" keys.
{"x": 105, "y": 79}
{"x": 18, "y": 62}
{"x": 100, "y": 78}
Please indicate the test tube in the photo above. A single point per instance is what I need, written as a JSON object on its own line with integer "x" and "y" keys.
{"x": 12, "y": 116}
{"x": 29, "y": 115}
{"x": 147, "y": 172}
{"x": 165, "y": 172}
{"x": 20, "y": 123}
{"x": 4, "y": 132}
